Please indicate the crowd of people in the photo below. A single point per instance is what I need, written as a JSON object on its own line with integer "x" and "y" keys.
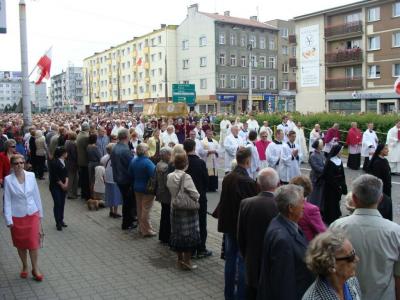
{"x": 285, "y": 235}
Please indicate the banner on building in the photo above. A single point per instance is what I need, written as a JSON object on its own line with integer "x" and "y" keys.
{"x": 3, "y": 26}
{"x": 309, "y": 56}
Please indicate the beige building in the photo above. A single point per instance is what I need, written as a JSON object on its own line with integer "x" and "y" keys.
{"x": 348, "y": 58}
{"x": 138, "y": 71}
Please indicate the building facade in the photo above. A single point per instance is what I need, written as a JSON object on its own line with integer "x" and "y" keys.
{"x": 349, "y": 58}
{"x": 139, "y": 71}
{"x": 66, "y": 90}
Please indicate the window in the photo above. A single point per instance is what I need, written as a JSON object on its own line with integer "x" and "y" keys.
{"x": 396, "y": 9}
{"x": 353, "y": 18}
{"x": 285, "y": 68}
{"x": 284, "y": 32}
{"x": 254, "y": 61}
{"x": 243, "y": 80}
{"x": 185, "y": 64}
{"x": 154, "y": 88}
{"x": 353, "y": 72}
{"x": 222, "y": 38}
{"x": 374, "y": 43}
{"x": 160, "y": 85}
{"x": 262, "y": 43}
{"x": 159, "y": 39}
{"x": 272, "y": 82}
{"x": 253, "y": 82}
{"x": 233, "y": 82}
{"x": 185, "y": 45}
{"x": 159, "y": 55}
{"x": 374, "y": 71}
{"x": 153, "y": 42}
{"x": 285, "y": 50}
{"x": 153, "y": 72}
{"x": 396, "y": 70}
{"x": 243, "y": 41}
{"x": 233, "y": 39}
{"x": 222, "y": 79}
{"x": 233, "y": 60}
{"x": 129, "y": 91}
{"x": 243, "y": 61}
{"x": 285, "y": 85}
{"x": 396, "y": 39}
{"x": 271, "y": 44}
{"x": 203, "y": 41}
{"x": 153, "y": 57}
{"x": 203, "y": 83}
{"x": 160, "y": 72}
{"x": 263, "y": 60}
{"x": 253, "y": 41}
{"x": 222, "y": 59}
{"x": 272, "y": 62}
{"x": 203, "y": 61}
{"x": 263, "y": 82}
{"x": 374, "y": 14}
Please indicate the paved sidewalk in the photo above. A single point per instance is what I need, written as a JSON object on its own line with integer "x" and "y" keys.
{"x": 94, "y": 259}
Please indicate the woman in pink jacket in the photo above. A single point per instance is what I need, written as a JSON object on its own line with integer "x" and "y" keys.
{"x": 311, "y": 223}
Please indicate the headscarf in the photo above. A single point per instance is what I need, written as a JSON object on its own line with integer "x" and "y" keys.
{"x": 335, "y": 150}
{"x": 378, "y": 150}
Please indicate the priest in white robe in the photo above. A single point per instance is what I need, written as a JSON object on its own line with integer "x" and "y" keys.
{"x": 232, "y": 143}
{"x": 393, "y": 142}
{"x": 369, "y": 143}
{"x": 301, "y": 140}
{"x": 169, "y": 139}
{"x": 224, "y": 126}
{"x": 273, "y": 152}
{"x": 291, "y": 156}
{"x": 209, "y": 152}
{"x": 284, "y": 126}
{"x": 253, "y": 124}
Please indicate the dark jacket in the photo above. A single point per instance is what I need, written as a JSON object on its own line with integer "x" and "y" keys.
{"x": 72, "y": 158}
{"x": 283, "y": 274}
{"x": 57, "y": 172}
{"x": 198, "y": 171}
{"x": 255, "y": 214}
{"x": 82, "y": 141}
{"x": 121, "y": 156}
{"x": 236, "y": 186}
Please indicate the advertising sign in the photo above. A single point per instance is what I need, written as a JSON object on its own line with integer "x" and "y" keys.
{"x": 309, "y": 56}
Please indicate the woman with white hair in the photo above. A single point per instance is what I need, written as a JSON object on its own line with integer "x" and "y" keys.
{"x": 41, "y": 150}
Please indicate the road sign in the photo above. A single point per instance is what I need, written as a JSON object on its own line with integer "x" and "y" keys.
{"x": 184, "y": 93}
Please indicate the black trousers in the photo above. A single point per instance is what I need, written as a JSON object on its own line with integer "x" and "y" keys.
{"x": 165, "y": 223}
{"x": 59, "y": 203}
{"x": 40, "y": 166}
{"x": 366, "y": 164}
{"x": 251, "y": 293}
{"x": 84, "y": 182}
{"x": 203, "y": 225}
{"x": 128, "y": 205}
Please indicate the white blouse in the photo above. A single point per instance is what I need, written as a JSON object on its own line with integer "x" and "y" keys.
{"x": 21, "y": 200}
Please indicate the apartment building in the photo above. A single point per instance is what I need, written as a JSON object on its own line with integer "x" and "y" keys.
{"x": 128, "y": 75}
{"x": 214, "y": 52}
{"x": 349, "y": 57}
{"x": 287, "y": 67}
{"x": 66, "y": 90}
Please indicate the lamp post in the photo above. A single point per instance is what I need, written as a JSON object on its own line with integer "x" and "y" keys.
{"x": 250, "y": 100}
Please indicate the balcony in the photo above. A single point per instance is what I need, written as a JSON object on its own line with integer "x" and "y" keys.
{"x": 347, "y": 56}
{"x": 292, "y": 63}
{"x": 292, "y": 39}
{"x": 344, "y": 29}
{"x": 354, "y": 83}
{"x": 292, "y": 86}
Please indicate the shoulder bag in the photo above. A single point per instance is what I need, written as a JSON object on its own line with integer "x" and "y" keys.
{"x": 182, "y": 200}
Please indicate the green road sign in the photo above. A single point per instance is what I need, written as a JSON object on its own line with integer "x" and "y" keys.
{"x": 184, "y": 93}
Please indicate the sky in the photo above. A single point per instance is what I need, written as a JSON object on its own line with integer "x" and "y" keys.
{"x": 75, "y": 29}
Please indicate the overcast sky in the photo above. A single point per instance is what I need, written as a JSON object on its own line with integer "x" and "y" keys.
{"x": 78, "y": 28}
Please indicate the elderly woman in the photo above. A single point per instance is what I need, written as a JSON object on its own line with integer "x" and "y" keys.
{"x": 22, "y": 212}
{"x": 9, "y": 151}
{"x": 72, "y": 165}
{"x": 185, "y": 231}
{"x": 154, "y": 146}
{"x": 41, "y": 151}
{"x": 142, "y": 171}
{"x": 317, "y": 163}
{"x": 163, "y": 195}
{"x": 94, "y": 156}
{"x": 333, "y": 259}
{"x": 113, "y": 195}
{"x": 311, "y": 222}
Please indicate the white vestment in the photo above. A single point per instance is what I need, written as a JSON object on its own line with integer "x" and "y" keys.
{"x": 255, "y": 161}
{"x": 285, "y": 129}
{"x": 212, "y": 159}
{"x": 273, "y": 154}
{"x": 231, "y": 146}
{"x": 253, "y": 125}
{"x": 369, "y": 143}
{"x": 223, "y": 131}
{"x": 314, "y": 135}
{"x": 289, "y": 166}
{"x": 244, "y": 135}
{"x": 166, "y": 139}
{"x": 393, "y": 143}
{"x": 301, "y": 141}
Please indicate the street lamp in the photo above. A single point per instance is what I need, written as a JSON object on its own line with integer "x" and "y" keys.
{"x": 250, "y": 100}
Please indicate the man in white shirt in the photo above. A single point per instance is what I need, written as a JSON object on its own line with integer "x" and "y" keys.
{"x": 252, "y": 124}
{"x": 244, "y": 133}
{"x": 369, "y": 143}
{"x": 232, "y": 143}
{"x": 274, "y": 149}
{"x": 266, "y": 128}
{"x": 291, "y": 156}
{"x": 284, "y": 127}
{"x": 169, "y": 139}
{"x": 376, "y": 241}
{"x": 393, "y": 141}
{"x": 192, "y": 136}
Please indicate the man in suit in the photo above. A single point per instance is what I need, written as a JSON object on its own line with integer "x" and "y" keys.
{"x": 121, "y": 156}
{"x": 284, "y": 274}
{"x": 198, "y": 171}
{"x": 236, "y": 186}
{"x": 82, "y": 141}
{"x": 255, "y": 214}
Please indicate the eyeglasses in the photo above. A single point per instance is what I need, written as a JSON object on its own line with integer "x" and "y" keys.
{"x": 350, "y": 258}
{"x": 18, "y": 163}
{"x": 263, "y": 136}
{"x": 12, "y": 146}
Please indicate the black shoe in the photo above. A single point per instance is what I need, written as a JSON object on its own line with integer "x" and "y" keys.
{"x": 59, "y": 227}
{"x": 204, "y": 253}
{"x": 64, "y": 225}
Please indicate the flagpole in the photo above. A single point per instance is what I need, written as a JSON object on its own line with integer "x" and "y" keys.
{"x": 26, "y": 101}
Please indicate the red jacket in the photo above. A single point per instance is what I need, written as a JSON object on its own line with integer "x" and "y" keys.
{"x": 311, "y": 223}
{"x": 5, "y": 165}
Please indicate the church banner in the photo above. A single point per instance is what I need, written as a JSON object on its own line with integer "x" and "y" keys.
{"x": 309, "y": 56}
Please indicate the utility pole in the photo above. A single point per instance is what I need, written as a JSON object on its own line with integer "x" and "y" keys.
{"x": 250, "y": 100}
{"x": 26, "y": 99}
{"x": 165, "y": 62}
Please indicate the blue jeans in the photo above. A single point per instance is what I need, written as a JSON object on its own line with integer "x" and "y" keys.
{"x": 234, "y": 270}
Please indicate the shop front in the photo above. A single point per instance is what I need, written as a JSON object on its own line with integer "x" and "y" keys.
{"x": 269, "y": 101}
{"x": 227, "y": 103}
{"x": 206, "y": 104}
{"x": 257, "y": 103}
{"x": 286, "y": 101}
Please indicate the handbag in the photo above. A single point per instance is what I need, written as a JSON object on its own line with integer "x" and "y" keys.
{"x": 182, "y": 200}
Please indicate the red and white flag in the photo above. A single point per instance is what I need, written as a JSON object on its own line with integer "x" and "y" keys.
{"x": 397, "y": 86}
{"x": 44, "y": 66}
{"x": 139, "y": 62}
